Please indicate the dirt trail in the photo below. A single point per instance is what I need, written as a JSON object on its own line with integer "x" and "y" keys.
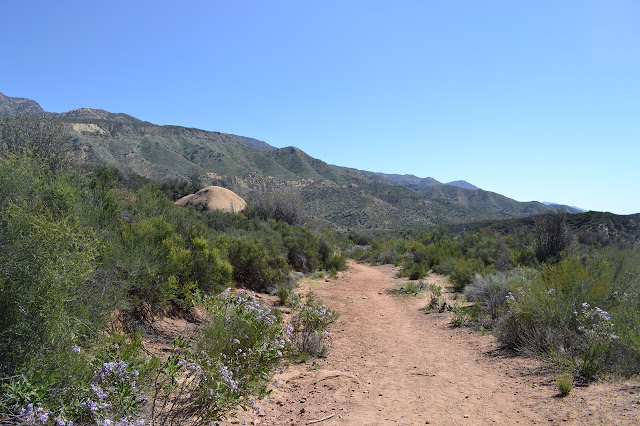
{"x": 392, "y": 364}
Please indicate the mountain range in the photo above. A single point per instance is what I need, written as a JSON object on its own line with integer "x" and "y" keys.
{"x": 337, "y": 196}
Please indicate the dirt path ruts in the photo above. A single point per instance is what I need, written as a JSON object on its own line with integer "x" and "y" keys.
{"x": 392, "y": 364}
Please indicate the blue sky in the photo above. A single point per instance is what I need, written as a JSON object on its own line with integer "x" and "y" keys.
{"x": 535, "y": 100}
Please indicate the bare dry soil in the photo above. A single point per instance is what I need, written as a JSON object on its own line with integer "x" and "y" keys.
{"x": 389, "y": 363}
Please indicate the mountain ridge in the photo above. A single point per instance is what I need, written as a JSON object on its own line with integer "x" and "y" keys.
{"x": 341, "y": 196}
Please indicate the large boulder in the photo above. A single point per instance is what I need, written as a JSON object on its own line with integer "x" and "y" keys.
{"x": 214, "y": 198}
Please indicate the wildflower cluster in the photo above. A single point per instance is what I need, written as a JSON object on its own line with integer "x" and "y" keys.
{"x": 106, "y": 396}
{"x": 242, "y": 343}
{"x": 595, "y": 324}
{"x": 39, "y": 416}
{"x": 113, "y": 395}
{"x": 309, "y": 325}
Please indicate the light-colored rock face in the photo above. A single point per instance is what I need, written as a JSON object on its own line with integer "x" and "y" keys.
{"x": 88, "y": 128}
{"x": 214, "y": 198}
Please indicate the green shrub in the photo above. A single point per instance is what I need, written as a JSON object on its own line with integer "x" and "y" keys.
{"x": 104, "y": 382}
{"x": 492, "y": 290}
{"x": 302, "y": 251}
{"x": 445, "y": 266}
{"x": 336, "y": 262}
{"x": 414, "y": 271}
{"x": 559, "y": 311}
{"x": 241, "y": 344}
{"x": 463, "y": 272}
{"x": 254, "y": 267}
{"x": 564, "y": 383}
{"x": 410, "y": 287}
{"x": 284, "y": 290}
{"x": 39, "y": 137}
{"x": 46, "y": 258}
{"x": 436, "y": 298}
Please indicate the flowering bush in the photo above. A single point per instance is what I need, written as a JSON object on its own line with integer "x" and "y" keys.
{"x": 309, "y": 324}
{"x": 598, "y": 330}
{"x": 227, "y": 368}
{"x": 100, "y": 387}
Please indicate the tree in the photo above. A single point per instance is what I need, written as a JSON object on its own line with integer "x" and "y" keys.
{"x": 41, "y": 137}
{"x": 285, "y": 205}
{"x": 551, "y": 235}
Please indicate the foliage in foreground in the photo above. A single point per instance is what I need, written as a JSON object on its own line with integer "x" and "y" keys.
{"x": 80, "y": 244}
{"x": 115, "y": 383}
{"x": 581, "y": 314}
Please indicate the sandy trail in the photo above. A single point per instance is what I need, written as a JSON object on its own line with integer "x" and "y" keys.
{"x": 391, "y": 364}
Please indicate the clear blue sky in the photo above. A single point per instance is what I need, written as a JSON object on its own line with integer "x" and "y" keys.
{"x": 536, "y": 100}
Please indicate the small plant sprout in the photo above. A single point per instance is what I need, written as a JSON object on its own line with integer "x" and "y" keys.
{"x": 564, "y": 383}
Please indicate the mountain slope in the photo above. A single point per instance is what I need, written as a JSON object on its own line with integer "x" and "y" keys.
{"x": 340, "y": 196}
{"x": 255, "y": 143}
{"x": 409, "y": 181}
{"x": 14, "y": 106}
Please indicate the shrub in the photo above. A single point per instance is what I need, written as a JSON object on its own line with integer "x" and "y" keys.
{"x": 242, "y": 342}
{"x": 564, "y": 383}
{"x": 463, "y": 272}
{"x": 556, "y": 312}
{"x": 310, "y": 324}
{"x": 284, "y": 290}
{"x": 98, "y": 385}
{"x": 436, "y": 298}
{"x": 253, "y": 265}
{"x": 284, "y": 205}
{"x": 551, "y": 236}
{"x": 445, "y": 266}
{"x": 414, "y": 271}
{"x": 598, "y": 333}
{"x": 409, "y": 287}
{"x": 39, "y": 137}
{"x": 46, "y": 258}
{"x": 302, "y": 250}
{"x": 491, "y": 291}
{"x": 336, "y": 262}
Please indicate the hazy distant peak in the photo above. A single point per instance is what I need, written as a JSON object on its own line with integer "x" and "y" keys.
{"x": 558, "y": 206}
{"x": 463, "y": 184}
{"x": 14, "y": 106}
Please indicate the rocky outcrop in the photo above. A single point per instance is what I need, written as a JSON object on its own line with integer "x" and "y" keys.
{"x": 214, "y": 198}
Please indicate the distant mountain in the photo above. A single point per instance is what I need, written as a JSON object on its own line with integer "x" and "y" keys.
{"x": 478, "y": 198}
{"x": 568, "y": 209}
{"x": 337, "y": 196}
{"x": 409, "y": 181}
{"x": 463, "y": 184}
{"x": 255, "y": 143}
{"x": 418, "y": 183}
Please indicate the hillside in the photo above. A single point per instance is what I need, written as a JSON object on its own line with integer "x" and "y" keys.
{"x": 485, "y": 199}
{"x": 339, "y": 196}
{"x": 13, "y": 106}
{"x": 597, "y": 228}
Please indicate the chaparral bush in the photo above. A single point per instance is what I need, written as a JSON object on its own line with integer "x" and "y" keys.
{"x": 310, "y": 323}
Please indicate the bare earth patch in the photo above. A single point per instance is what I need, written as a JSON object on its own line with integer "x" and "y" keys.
{"x": 391, "y": 364}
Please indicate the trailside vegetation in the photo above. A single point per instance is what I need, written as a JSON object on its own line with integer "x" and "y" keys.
{"x": 80, "y": 244}
{"x": 556, "y": 289}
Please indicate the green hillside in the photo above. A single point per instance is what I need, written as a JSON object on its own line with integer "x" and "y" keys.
{"x": 339, "y": 196}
